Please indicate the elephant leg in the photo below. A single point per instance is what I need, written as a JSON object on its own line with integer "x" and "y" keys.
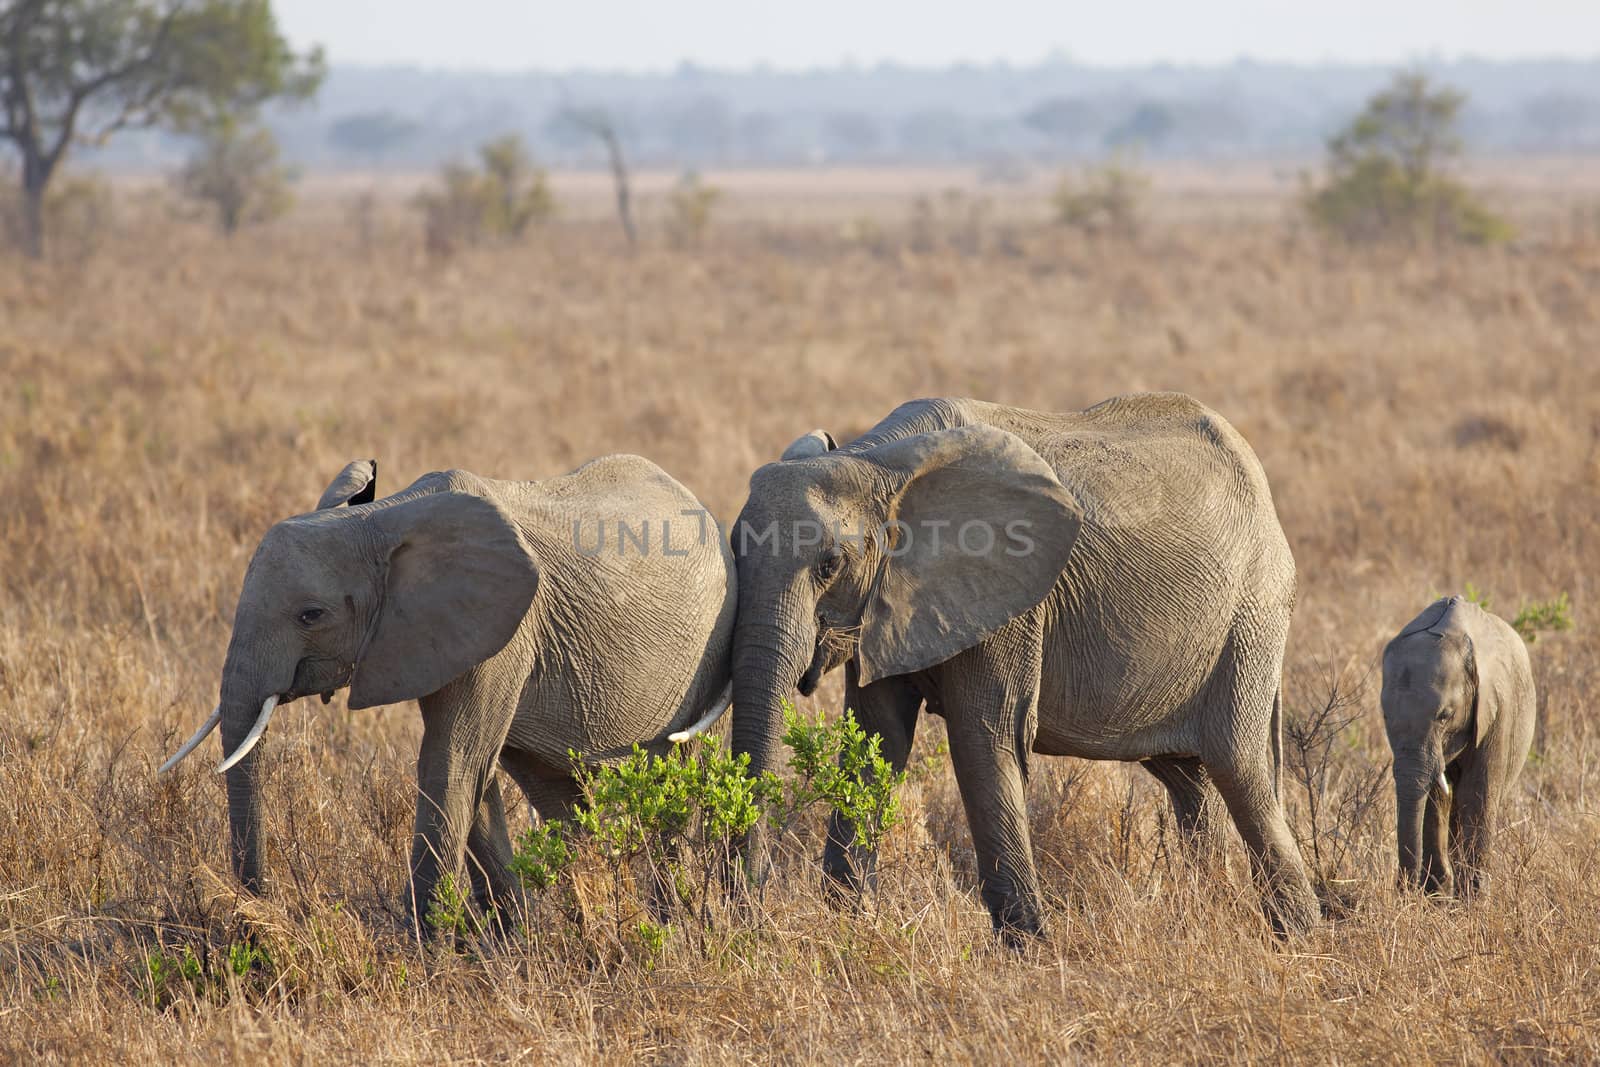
{"x": 1196, "y": 805}
{"x": 888, "y": 708}
{"x": 1250, "y": 792}
{"x": 1437, "y": 836}
{"x": 1472, "y": 828}
{"x": 489, "y": 855}
{"x": 990, "y": 697}
{"x": 1246, "y": 763}
{"x": 454, "y": 770}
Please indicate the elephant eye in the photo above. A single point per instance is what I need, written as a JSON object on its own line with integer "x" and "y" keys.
{"x": 1444, "y": 713}
{"x": 311, "y": 615}
{"x": 829, "y": 566}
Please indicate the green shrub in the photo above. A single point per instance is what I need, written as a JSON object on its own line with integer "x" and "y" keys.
{"x": 498, "y": 199}
{"x": 172, "y": 975}
{"x": 542, "y": 855}
{"x": 677, "y": 818}
{"x": 690, "y": 209}
{"x": 1534, "y": 617}
{"x": 1387, "y": 173}
{"x": 1106, "y": 198}
{"x": 1543, "y": 616}
{"x": 236, "y": 170}
{"x": 449, "y": 910}
{"x": 839, "y": 765}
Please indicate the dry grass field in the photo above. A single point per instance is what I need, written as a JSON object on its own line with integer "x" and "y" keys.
{"x": 1426, "y": 419}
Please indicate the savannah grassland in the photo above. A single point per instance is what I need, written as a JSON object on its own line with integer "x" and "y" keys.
{"x": 1427, "y": 419}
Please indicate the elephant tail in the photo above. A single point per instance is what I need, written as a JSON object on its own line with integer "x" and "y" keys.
{"x": 1277, "y": 743}
{"x": 713, "y": 713}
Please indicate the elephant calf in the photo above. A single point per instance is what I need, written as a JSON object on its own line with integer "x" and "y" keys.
{"x": 1458, "y": 705}
{"x": 586, "y": 613}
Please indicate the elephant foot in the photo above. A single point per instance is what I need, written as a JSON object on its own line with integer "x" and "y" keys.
{"x": 850, "y": 875}
{"x": 1438, "y": 881}
{"x": 1292, "y": 913}
{"x": 1019, "y": 936}
{"x": 503, "y": 917}
{"x": 1016, "y": 922}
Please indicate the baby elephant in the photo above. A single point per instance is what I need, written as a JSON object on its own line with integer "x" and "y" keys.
{"x": 586, "y": 613}
{"x": 1458, "y": 705}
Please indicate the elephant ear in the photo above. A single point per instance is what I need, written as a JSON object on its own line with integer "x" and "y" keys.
{"x": 810, "y": 445}
{"x": 1484, "y": 677}
{"x": 981, "y": 530}
{"x": 356, "y": 484}
{"x": 458, "y": 579}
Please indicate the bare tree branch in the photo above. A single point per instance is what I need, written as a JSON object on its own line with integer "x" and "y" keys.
{"x": 79, "y": 95}
{"x": 599, "y": 123}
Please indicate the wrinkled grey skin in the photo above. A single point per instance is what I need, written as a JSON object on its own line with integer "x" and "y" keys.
{"x": 477, "y": 598}
{"x": 1147, "y": 623}
{"x": 1459, "y": 708}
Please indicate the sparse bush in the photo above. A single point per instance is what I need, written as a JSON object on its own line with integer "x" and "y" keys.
{"x": 840, "y": 766}
{"x": 951, "y": 220}
{"x": 78, "y": 210}
{"x": 690, "y": 209}
{"x": 1387, "y": 172}
{"x": 449, "y": 911}
{"x": 1338, "y": 786}
{"x": 516, "y": 192}
{"x": 238, "y": 172}
{"x": 1534, "y": 617}
{"x": 1543, "y": 616}
{"x": 500, "y": 198}
{"x": 1107, "y": 198}
{"x": 675, "y": 819}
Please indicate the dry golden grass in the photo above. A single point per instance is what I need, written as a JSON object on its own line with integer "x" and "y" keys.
{"x": 1426, "y": 421}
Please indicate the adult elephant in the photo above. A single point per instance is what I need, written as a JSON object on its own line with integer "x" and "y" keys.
{"x": 530, "y": 619}
{"x": 1110, "y": 584}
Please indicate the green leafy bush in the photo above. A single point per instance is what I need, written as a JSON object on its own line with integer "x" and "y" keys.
{"x": 1106, "y": 198}
{"x": 839, "y": 765}
{"x": 449, "y": 910}
{"x": 498, "y": 199}
{"x": 677, "y": 819}
{"x": 690, "y": 208}
{"x": 237, "y": 171}
{"x": 1387, "y": 172}
{"x": 1543, "y": 616}
{"x": 1534, "y": 617}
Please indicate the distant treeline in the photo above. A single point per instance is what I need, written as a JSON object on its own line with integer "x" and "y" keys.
{"x": 994, "y": 115}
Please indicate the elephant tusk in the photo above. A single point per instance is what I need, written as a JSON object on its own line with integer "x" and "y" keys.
{"x": 252, "y": 737}
{"x": 189, "y": 745}
{"x": 718, "y": 706}
{"x": 1444, "y": 783}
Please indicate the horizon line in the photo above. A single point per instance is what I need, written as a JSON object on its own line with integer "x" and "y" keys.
{"x": 848, "y": 65}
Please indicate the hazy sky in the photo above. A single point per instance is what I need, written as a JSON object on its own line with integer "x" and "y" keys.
{"x": 658, "y": 34}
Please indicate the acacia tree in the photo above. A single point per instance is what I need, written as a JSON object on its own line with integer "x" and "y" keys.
{"x": 1389, "y": 171}
{"x": 78, "y": 71}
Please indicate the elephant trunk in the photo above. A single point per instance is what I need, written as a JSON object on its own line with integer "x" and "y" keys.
{"x": 1415, "y": 775}
{"x": 1409, "y": 810}
{"x": 244, "y": 791}
{"x": 769, "y": 653}
{"x": 248, "y": 696}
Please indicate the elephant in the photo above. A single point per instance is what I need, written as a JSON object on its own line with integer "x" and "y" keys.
{"x": 1111, "y": 584}
{"x": 1459, "y": 708}
{"x": 529, "y": 619}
